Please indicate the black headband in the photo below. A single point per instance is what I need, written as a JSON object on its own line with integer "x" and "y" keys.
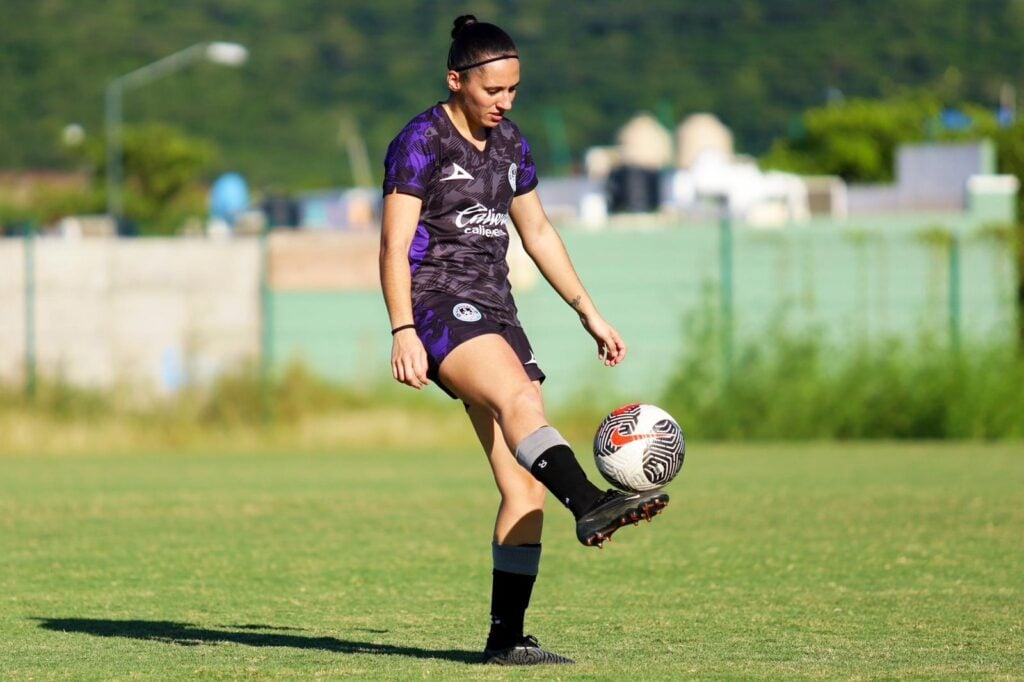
{"x": 467, "y": 67}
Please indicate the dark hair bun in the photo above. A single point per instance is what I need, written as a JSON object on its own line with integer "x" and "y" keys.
{"x": 461, "y": 23}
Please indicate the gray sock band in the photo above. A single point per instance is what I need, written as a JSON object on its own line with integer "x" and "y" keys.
{"x": 536, "y": 444}
{"x": 521, "y": 559}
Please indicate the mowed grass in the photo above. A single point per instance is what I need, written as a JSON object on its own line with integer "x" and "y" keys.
{"x": 806, "y": 561}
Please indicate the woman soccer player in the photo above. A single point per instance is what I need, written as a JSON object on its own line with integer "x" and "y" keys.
{"x": 454, "y": 176}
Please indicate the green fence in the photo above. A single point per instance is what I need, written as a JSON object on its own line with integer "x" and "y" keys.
{"x": 861, "y": 281}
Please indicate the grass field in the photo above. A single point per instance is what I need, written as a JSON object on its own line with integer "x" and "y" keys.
{"x": 807, "y": 561}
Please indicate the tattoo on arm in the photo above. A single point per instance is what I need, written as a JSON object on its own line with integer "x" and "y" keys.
{"x": 575, "y": 303}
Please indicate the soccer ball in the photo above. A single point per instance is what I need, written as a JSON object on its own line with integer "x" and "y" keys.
{"x": 639, "y": 447}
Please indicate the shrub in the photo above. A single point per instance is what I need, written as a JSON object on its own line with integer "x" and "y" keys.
{"x": 798, "y": 387}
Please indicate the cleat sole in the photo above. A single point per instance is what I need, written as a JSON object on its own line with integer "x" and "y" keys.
{"x": 646, "y": 511}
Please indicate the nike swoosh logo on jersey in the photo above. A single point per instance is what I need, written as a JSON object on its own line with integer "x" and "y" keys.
{"x": 458, "y": 173}
{"x": 619, "y": 439}
{"x": 532, "y": 360}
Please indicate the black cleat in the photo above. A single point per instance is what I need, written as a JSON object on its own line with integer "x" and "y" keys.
{"x": 614, "y": 510}
{"x": 526, "y": 651}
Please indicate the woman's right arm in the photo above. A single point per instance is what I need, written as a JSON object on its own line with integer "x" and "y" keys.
{"x": 398, "y": 226}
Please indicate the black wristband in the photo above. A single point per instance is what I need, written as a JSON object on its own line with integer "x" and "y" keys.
{"x": 404, "y": 326}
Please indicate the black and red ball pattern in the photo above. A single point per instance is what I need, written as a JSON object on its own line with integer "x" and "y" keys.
{"x": 639, "y": 447}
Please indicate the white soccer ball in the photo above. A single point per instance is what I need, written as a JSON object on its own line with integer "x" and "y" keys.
{"x": 639, "y": 447}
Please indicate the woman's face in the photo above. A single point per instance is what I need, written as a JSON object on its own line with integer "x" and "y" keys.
{"x": 486, "y": 92}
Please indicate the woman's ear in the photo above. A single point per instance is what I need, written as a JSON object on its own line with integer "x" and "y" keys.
{"x": 454, "y": 81}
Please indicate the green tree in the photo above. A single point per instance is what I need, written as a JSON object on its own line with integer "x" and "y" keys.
{"x": 1010, "y": 152}
{"x": 855, "y": 139}
{"x": 162, "y": 172}
{"x": 1010, "y": 146}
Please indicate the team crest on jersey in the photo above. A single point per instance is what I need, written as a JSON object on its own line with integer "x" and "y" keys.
{"x": 512, "y": 172}
{"x": 466, "y": 312}
{"x": 458, "y": 173}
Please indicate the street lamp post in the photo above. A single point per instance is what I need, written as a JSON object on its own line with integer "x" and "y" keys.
{"x": 229, "y": 54}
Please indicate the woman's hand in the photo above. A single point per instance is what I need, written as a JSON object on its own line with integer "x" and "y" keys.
{"x": 409, "y": 359}
{"x": 611, "y": 349}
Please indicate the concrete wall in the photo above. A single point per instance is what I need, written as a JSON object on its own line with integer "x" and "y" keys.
{"x": 928, "y": 177}
{"x": 154, "y": 313}
{"x": 934, "y": 177}
{"x": 12, "y": 309}
{"x": 148, "y": 314}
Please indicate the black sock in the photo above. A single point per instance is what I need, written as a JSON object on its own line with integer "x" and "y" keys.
{"x": 510, "y": 596}
{"x": 560, "y": 473}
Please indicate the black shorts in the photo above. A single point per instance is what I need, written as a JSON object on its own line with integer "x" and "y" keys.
{"x": 444, "y": 322}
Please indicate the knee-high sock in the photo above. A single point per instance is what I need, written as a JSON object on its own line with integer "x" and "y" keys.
{"x": 546, "y": 455}
{"x": 515, "y": 571}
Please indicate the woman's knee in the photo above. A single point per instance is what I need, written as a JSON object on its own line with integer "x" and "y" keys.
{"x": 524, "y": 399}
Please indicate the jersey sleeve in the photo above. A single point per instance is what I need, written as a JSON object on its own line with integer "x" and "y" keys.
{"x": 409, "y": 163}
{"x": 527, "y": 172}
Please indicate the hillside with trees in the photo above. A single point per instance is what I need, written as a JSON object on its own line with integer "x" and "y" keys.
{"x": 321, "y": 72}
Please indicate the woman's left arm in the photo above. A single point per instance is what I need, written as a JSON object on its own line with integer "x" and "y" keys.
{"x": 545, "y": 248}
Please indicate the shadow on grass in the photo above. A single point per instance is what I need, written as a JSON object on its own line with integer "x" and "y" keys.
{"x": 186, "y": 634}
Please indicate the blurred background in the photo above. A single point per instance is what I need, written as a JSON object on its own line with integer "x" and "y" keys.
{"x": 804, "y": 217}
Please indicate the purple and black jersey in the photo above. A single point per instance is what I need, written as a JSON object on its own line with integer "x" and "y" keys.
{"x": 462, "y": 238}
